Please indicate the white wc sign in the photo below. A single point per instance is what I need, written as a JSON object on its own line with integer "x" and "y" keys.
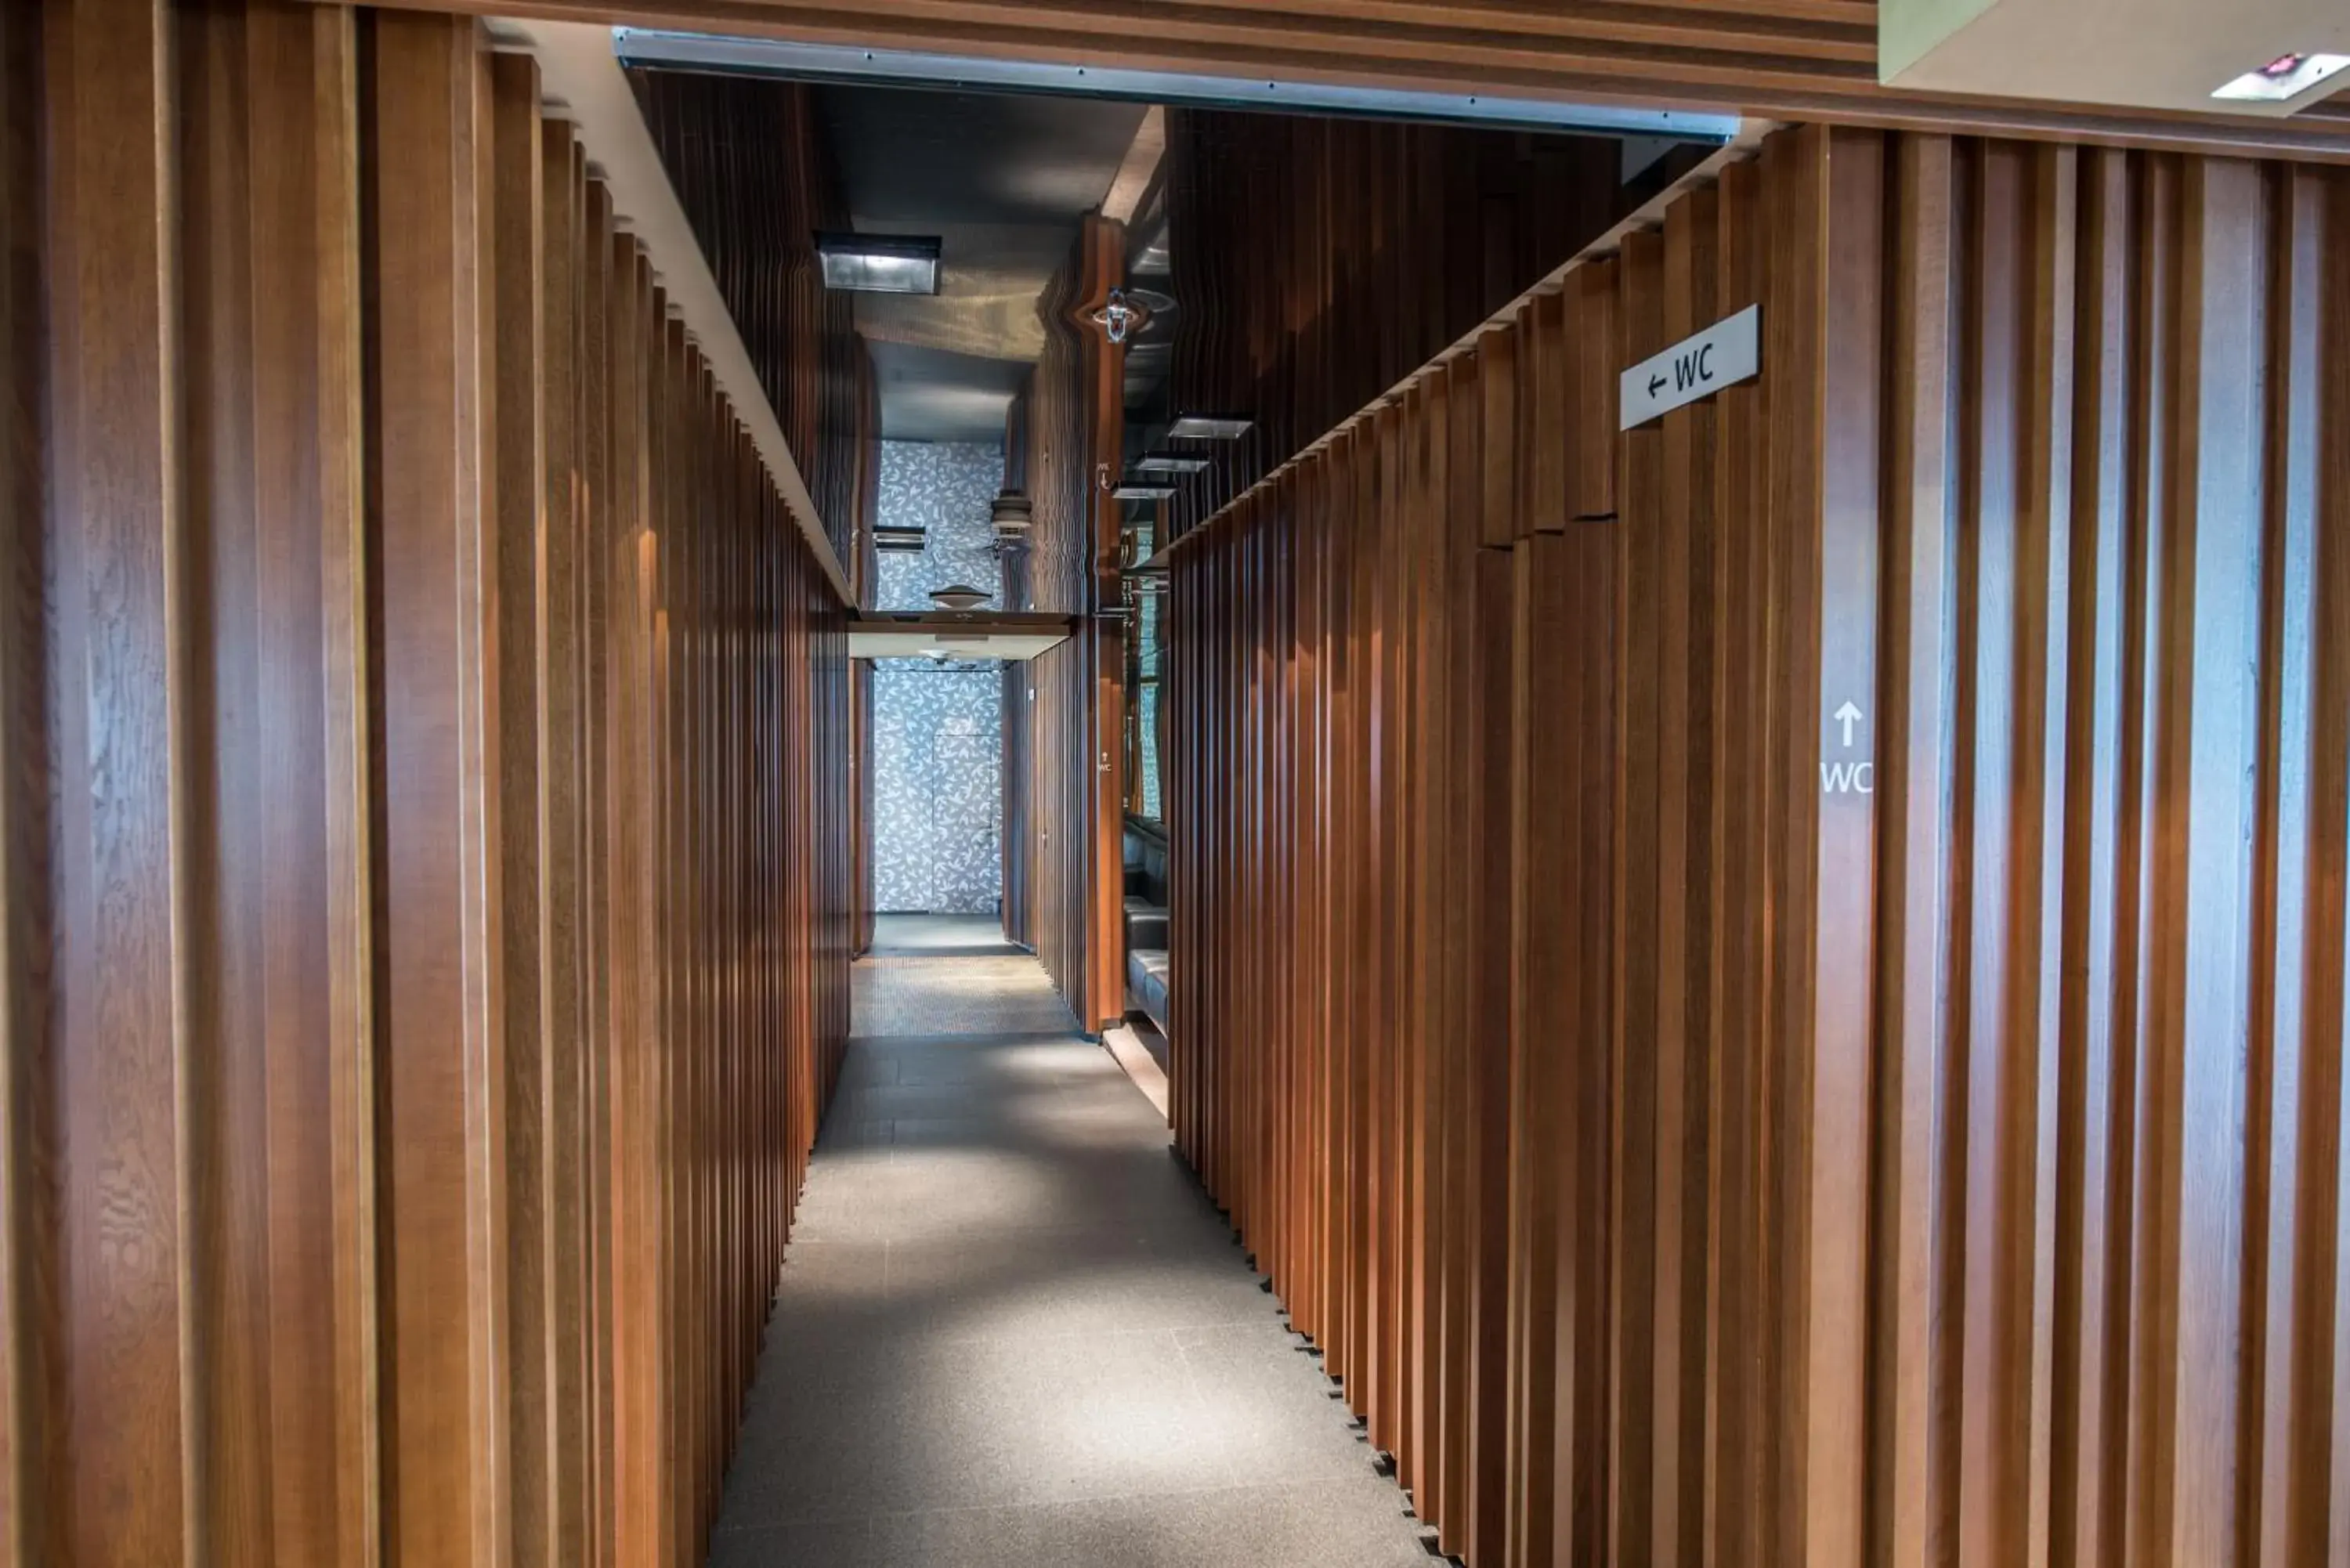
{"x": 1729, "y": 351}
{"x": 1847, "y": 774}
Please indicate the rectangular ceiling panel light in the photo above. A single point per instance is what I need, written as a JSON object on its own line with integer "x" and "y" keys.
{"x": 880, "y": 263}
{"x": 1135, "y": 492}
{"x": 2287, "y": 76}
{"x": 1210, "y": 427}
{"x": 1171, "y": 463}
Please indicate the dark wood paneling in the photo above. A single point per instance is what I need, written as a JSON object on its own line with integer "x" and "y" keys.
{"x": 1319, "y": 261}
{"x": 426, "y": 817}
{"x": 1843, "y": 1154}
{"x": 1065, "y": 711}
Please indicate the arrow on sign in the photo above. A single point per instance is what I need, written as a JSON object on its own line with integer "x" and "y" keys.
{"x": 1656, "y": 385}
{"x": 1847, "y": 716}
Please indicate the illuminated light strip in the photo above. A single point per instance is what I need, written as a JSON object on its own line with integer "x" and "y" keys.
{"x": 831, "y": 62}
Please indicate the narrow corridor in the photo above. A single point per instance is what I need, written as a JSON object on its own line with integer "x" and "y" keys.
{"x": 1010, "y": 1328}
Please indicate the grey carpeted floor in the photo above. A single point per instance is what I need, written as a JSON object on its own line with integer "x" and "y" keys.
{"x": 1012, "y": 1330}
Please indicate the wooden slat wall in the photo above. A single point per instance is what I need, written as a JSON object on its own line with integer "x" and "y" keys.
{"x": 1692, "y": 1138}
{"x": 1321, "y": 260}
{"x": 425, "y": 866}
{"x": 1064, "y": 711}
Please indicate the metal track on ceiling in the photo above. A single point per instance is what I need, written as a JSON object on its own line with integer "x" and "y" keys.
{"x": 826, "y": 62}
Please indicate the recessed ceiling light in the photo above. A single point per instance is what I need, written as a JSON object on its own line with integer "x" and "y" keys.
{"x": 880, "y": 263}
{"x": 1136, "y": 491}
{"x": 2287, "y": 76}
{"x": 1172, "y": 462}
{"x": 1210, "y": 427}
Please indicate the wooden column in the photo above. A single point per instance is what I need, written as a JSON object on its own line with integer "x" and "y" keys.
{"x": 107, "y": 1134}
{"x": 444, "y": 1028}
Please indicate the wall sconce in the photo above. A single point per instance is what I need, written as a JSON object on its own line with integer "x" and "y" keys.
{"x": 1121, "y": 317}
{"x": 1014, "y": 514}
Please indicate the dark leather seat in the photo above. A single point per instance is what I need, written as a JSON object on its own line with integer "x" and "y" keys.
{"x": 1146, "y": 985}
{"x": 1146, "y": 925}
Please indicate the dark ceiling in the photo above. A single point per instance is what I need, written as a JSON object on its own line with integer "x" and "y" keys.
{"x": 1002, "y": 180}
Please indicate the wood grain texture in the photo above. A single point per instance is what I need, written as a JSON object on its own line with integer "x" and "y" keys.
{"x": 1065, "y": 711}
{"x": 1811, "y": 60}
{"x": 1320, "y": 261}
{"x": 114, "y": 1163}
{"x": 1872, "y": 1144}
{"x": 273, "y": 454}
{"x": 441, "y": 990}
{"x": 410, "y": 1063}
{"x": 30, "y": 1458}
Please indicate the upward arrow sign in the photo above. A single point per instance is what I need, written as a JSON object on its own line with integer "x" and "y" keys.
{"x": 1847, "y": 716}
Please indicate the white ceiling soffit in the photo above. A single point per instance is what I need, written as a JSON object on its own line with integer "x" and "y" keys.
{"x": 886, "y": 643}
{"x": 2142, "y": 54}
{"x": 653, "y": 47}
{"x": 582, "y": 78}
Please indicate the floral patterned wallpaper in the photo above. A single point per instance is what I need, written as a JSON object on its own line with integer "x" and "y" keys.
{"x": 938, "y": 786}
{"x": 937, "y": 729}
{"x": 948, "y": 488}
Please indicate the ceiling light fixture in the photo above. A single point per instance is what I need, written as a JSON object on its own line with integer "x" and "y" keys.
{"x": 959, "y": 597}
{"x": 899, "y": 540}
{"x": 1172, "y": 462}
{"x": 2287, "y": 76}
{"x": 1136, "y": 490}
{"x": 880, "y": 263}
{"x": 1210, "y": 427}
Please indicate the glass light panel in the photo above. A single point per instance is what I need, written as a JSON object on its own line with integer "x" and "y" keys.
{"x": 1210, "y": 427}
{"x": 2287, "y": 76}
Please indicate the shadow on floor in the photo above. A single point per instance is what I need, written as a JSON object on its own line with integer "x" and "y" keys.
{"x": 1012, "y": 1329}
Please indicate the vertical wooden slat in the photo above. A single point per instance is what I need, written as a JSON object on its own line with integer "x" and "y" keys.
{"x": 519, "y": 530}
{"x": 28, "y": 1520}
{"x": 441, "y": 997}
{"x": 1904, "y": 1119}
{"x": 2206, "y": 617}
{"x": 336, "y": 778}
{"x": 269, "y": 240}
{"x": 1913, "y": 782}
{"x": 121, "y": 1273}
